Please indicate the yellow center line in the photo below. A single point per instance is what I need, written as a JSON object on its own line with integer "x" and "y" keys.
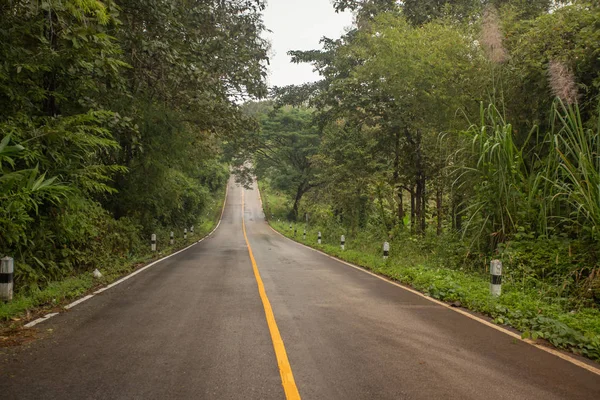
{"x": 285, "y": 370}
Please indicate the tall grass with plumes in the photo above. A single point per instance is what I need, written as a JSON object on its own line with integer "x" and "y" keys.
{"x": 504, "y": 187}
{"x": 551, "y": 181}
{"x": 573, "y": 169}
{"x": 539, "y": 200}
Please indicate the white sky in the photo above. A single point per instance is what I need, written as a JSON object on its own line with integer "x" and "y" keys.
{"x": 299, "y": 25}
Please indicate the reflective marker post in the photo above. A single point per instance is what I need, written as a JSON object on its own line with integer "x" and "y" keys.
{"x": 386, "y": 250}
{"x": 343, "y": 242}
{"x": 7, "y": 271}
{"x": 319, "y": 238}
{"x": 172, "y": 237}
{"x": 153, "y": 242}
{"x": 496, "y": 277}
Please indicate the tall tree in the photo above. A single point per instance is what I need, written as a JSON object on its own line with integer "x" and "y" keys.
{"x": 283, "y": 149}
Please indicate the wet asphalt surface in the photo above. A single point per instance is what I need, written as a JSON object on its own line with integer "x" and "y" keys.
{"x": 193, "y": 327}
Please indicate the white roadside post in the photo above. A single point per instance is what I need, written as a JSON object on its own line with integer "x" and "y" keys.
{"x": 306, "y": 225}
{"x": 343, "y": 242}
{"x": 386, "y": 250}
{"x": 192, "y": 229}
{"x": 319, "y": 238}
{"x": 185, "y": 234}
{"x": 496, "y": 277}
{"x": 7, "y": 271}
{"x": 295, "y": 231}
{"x": 172, "y": 236}
{"x": 153, "y": 242}
{"x": 290, "y": 226}
{"x": 304, "y": 235}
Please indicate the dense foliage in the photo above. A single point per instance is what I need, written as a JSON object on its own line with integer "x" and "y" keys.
{"x": 111, "y": 119}
{"x": 538, "y": 312}
{"x": 472, "y": 122}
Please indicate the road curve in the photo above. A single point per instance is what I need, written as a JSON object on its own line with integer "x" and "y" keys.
{"x": 193, "y": 327}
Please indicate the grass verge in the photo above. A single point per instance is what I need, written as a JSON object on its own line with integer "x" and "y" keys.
{"x": 530, "y": 311}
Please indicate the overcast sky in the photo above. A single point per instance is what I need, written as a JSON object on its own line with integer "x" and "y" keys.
{"x": 299, "y": 25}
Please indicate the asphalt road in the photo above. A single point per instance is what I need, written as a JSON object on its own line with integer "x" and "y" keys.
{"x": 194, "y": 327}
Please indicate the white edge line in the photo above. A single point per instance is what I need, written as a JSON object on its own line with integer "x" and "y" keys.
{"x": 89, "y": 296}
{"x": 81, "y": 300}
{"x": 35, "y": 322}
{"x": 42, "y": 319}
{"x": 557, "y": 353}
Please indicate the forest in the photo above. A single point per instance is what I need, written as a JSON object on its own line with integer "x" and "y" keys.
{"x": 460, "y": 132}
{"x": 113, "y": 116}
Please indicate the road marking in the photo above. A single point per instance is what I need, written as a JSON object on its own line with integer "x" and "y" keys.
{"x": 547, "y": 349}
{"x": 73, "y": 304}
{"x": 42, "y": 319}
{"x": 285, "y": 370}
{"x": 89, "y": 296}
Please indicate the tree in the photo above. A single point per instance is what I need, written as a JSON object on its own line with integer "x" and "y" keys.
{"x": 405, "y": 83}
{"x": 420, "y": 12}
{"x": 283, "y": 148}
{"x": 562, "y": 36}
{"x": 190, "y": 64}
{"x": 118, "y": 109}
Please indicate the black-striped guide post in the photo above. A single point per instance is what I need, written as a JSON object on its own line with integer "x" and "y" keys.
{"x": 496, "y": 277}
{"x": 305, "y": 226}
{"x": 7, "y": 271}
{"x": 185, "y": 234}
{"x": 386, "y": 250}
{"x": 172, "y": 238}
{"x": 343, "y": 242}
{"x": 319, "y": 238}
{"x": 153, "y": 242}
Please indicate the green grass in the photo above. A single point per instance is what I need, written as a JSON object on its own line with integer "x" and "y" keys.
{"x": 58, "y": 293}
{"x": 529, "y": 310}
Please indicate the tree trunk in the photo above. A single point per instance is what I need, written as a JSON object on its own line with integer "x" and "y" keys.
{"x": 49, "y": 103}
{"x": 423, "y": 204}
{"x": 413, "y": 210}
{"x": 420, "y": 200}
{"x": 438, "y": 203}
{"x": 397, "y": 185}
{"x": 294, "y": 215}
{"x": 302, "y": 188}
{"x": 400, "y": 207}
{"x": 419, "y": 205}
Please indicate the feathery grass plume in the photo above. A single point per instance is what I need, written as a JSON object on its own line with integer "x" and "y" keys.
{"x": 562, "y": 82}
{"x": 491, "y": 36}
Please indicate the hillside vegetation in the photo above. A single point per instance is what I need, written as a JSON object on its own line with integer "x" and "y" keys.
{"x": 460, "y": 132}
{"x": 112, "y": 120}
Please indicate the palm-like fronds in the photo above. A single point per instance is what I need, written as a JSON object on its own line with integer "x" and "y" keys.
{"x": 573, "y": 169}
{"x": 22, "y": 191}
{"x": 501, "y": 176}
